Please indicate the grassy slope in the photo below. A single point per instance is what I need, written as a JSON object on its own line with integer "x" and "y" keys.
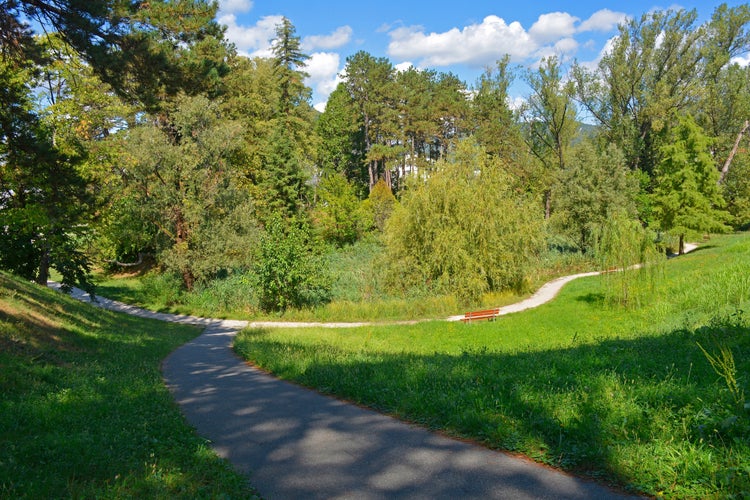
{"x": 623, "y": 395}
{"x": 84, "y": 411}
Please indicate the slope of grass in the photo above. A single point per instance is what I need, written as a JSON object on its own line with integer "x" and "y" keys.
{"x": 84, "y": 412}
{"x": 627, "y": 396}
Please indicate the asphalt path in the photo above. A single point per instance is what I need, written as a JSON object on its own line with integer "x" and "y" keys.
{"x": 293, "y": 442}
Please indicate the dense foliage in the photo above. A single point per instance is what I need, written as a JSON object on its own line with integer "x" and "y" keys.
{"x": 133, "y": 132}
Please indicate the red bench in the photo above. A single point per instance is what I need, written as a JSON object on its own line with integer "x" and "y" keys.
{"x": 488, "y": 314}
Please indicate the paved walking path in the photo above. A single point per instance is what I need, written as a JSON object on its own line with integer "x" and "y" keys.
{"x": 295, "y": 443}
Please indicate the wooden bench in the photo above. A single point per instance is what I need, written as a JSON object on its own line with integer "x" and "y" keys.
{"x": 488, "y": 314}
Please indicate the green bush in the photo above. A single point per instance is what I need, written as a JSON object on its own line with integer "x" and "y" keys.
{"x": 288, "y": 271}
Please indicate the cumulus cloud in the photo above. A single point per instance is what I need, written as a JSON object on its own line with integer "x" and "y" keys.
{"x": 602, "y": 20}
{"x": 253, "y": 41}
{"x": 323, "y": 71}
{"x": 337, "y": 39}
{"x": 228, "y": 6}
{"x": 482, "y": 43}
{"x": 553, "y": 26}
{"x": 743, "y": 61}
{"x": 404, "y": 66}
{"x": 475, "y": 44}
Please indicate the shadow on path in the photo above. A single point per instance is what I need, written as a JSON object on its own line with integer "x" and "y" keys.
{"x": 296, "y": 443}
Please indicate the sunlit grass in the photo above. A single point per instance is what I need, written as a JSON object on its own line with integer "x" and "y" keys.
{"x": 84, "y": 411}
{"x": 624, "y": 395}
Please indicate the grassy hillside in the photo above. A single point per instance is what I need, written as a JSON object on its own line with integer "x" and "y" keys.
{"x": 84, "y": 412}
{"x": 624, "y": 395}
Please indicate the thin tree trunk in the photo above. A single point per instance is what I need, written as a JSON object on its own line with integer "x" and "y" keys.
{"x": 725, "y": 168}
{"x": 43, "y": 274}
{"x": 681, "y": 250}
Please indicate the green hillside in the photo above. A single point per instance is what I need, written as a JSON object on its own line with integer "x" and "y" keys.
{"x": 84, "y": 412}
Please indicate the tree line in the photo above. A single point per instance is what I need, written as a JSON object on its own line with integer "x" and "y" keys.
{"x": 135, "y": 128}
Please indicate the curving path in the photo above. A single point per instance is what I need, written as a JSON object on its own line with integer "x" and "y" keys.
{"x": 296, "y": 443}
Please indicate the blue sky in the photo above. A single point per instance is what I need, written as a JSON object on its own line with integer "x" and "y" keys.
{"x": 460, "y": 37}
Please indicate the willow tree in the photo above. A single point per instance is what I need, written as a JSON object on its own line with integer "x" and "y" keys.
{"x": 465, "y": 230}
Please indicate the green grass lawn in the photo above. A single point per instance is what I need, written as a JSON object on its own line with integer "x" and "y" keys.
{"x": 623, "y": 395}
{"x": 84, "y": 412}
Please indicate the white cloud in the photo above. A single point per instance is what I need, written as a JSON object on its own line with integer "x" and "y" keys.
{"x": 254, "y": 41}
{"x": 482, "y": 43}
{"x": 323, "y": 68}
{"x": 228, "y": 6}
{"x": 743, "y": 61}
{"x": 602, "y": 20}
{"x": 475, "y": 44}
{"x": 553, "y": 26}
{"x": 404, "y": 66}
{"x": 338, "y": 38}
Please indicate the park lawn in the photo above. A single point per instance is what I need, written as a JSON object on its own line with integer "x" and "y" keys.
{"x": 84, "y": 411}
{"x": 624, "y": 395}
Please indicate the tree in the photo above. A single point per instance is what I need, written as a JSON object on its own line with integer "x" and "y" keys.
{"x": 593, "y": 187}
{"x": 44, "y": 201}
{"x": 287, "y": 267}
{"x": 650, "y": 75}
{"x": 550, "y": 121}
{"x": 465, "y": 230}
{"x": 370, "y": 83}
{"x": 687, "y": 197}
{"x": 282, "y": 180}
{"x": 145, "y": 50}
{"x": 337, "y": 214}
{"x": 342, "y": 147}
{"x": 494, "y": 126}
{"x": 184, "y": 183}
{"x": 288, "y": 61}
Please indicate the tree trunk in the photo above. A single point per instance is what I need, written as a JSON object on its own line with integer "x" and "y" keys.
{"x": 725, "y": 168}
{"x": 43, "y": 274}
{"x": 547, "y": 204}
{"x": 181, "y": 244}
{"x": 681, "y": 250}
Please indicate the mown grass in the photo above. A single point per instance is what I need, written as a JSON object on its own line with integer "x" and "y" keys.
{"x": 84, "y": 411}
{"x": 623, "y": 395}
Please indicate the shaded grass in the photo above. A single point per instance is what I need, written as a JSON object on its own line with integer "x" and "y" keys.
{"x": 622, "y": 395}
{"x": 84, "y": 411}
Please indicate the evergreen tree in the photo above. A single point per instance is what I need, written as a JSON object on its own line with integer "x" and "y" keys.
{"x": 282, "y": 180}
{"x": 44, "y": 201}
{"x": 687, "y": 198}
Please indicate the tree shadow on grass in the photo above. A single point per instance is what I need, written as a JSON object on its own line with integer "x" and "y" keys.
{"x": 590, "y": 408}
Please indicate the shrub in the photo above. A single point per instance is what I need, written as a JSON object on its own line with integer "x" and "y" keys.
{"x": 287, "y": 269}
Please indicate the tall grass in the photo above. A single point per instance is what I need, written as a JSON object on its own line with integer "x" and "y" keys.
{"x": 622, "y": 394}
{"x": 359, "y": 291}
{"x": 84, "y": 412}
